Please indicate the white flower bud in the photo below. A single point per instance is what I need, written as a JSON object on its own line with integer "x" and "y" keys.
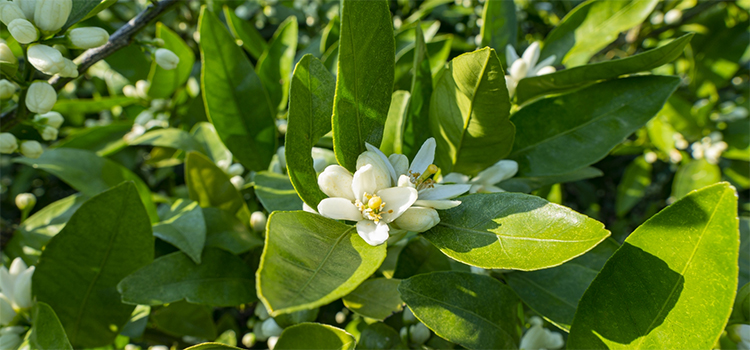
{"x": 25, "y": 201}
{"x": 261, "y": 312}
{"x": 10, "y": 340}
{"x": 51, "y": 15}
{"x": 7, "y": 89}
{"x": 417, "y": 219}
{"x": 166, "y": 59}
{"x": 672, "y": 16}
{"x": 41, "y": 97}
{"x": 237, "y": 181}
{"x": 52, "y": 119}
{"x": 7, "y": 56}
{"x": 10, "y": 11}
{"x": 6, "y": 311}
{"x": 380, "y": 170}
{"x": 31, "y": 149}
{"x": 271, "y": 342}
{"x": 49, "y": 133}
{"x": 23, "y": 31}
{"x": 22, "y": 289}
{"x": 248, "y": 340}
{"x": 46, "y": 59}
{"x": 27, "y": 6}
{"x": 258, "y": 221}
{"x": 419, "y": 333}
{"x": 236, "y": 169}
{"x": 8, "y": 143}
{"x": 271, "y": 328}
{"x": 519, "y": 69}
{"x": 336, "y": 181}
{"x": 88, "y": 38}
{"x": 141, "y": 88}
{"x": 510, "y": 83}
{"x": 129, "y": 91}
{"x": 70, "y": 70}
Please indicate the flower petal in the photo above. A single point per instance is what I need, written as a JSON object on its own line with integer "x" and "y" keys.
{"x": 374, "y": 234}
{"x": 500, "y": 171}
{"x": 418, "y": 219}
{"x": 547, "y": 62}
{"x": 510, "y": 55}
{"x": 336, "y": 181}
{"x": 404, "y": 181}
{"x": 437, "y": 204}
{"x": 364, "y": 182}
{"x": 380, "y": 170}
{"x": 443, "y": 192}
{"x": 308, "y": 208}
{"x": 424, "y": 157}
{"x": 397, "y": 200}
{"x": 457, "y": 178}
{"x": 531, "y": 55}
{"x": 17, "y": 266}
{"x": 22, "y": 289}
{"x": 400, "y": 163}
{"x": 386, "y": 161}
{"x": 339, "y": 209}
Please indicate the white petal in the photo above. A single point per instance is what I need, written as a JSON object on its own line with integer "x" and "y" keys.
{"x": 364, "y": 182}
{"x": 510, "y": 84}
{"x": 510, "y": 55}
{"x": 418, "y": 219}
{"x": 502, "y": 170}
{"x": 547, "y": 62}
{"x": 374, "y": 234}
{"x": 379, "y": 169}
{"x": 491, "y": 189}
{"x": 6, "y": 282}
{"x": 17, "y": 266}
{"x": 443, "y": 192}
{"x": 400, "y": 163}
{"x": 339, "y": 209}
{"x": 308, "y": 208}
{"x": 531, "y": 55}
{"x": 397, "y": 200}
{"x": 336, "y": 181}
{"x": 22, "y": 289}
{"x": 476, "y": 188}
{"x": 405, "y": 181}
{"x": 518, "y": 70}
{"x": 457, "y": 178}
{"x": 6, "y": 310}
{"x": 545, "y": 70}
{"x": 386, "y": 161}
{"x": 424, "y": 157}
{"x": 437, "y": 204}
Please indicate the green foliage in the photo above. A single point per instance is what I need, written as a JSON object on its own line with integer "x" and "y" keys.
{"x": 315, "y": 336}
{"x": 210, "y": 187}
{"x": 48, "y": 333}
{"x": 165, "y": 82}
{"x": 376, "y": 298}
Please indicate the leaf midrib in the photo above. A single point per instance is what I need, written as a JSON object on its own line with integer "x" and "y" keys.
{"x": 514, "y": 237}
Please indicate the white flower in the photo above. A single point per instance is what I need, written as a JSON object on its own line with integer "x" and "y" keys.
{"x": 538, "y": 337}
{"x": 51, "y": 15}
{"x": 525, "y": 66}
{"x": 53, "y": 119}
{"x": 10, "y": 339}
{"x": 31, "y": 149}
{"x": 7, "y": 56}
{"x": 15, "y": 284}
{"x": 740, "y": 334}
{"x": 486, "y": 180}
{"x": 88, "y": 38}
{"x": 25, "y": 201}
{"x": 49, "y": 133}
{"x": 237, "y": 181}
{"x": 10, "y": 11}
{"x": 46, "y": 59}
{"x": 7, "y": 89}
{"x": 258, "y": 221}
{"x": 6, "y": 310}
{"x": 23, "y": 31}
{"x": 166, "y": 59}
{"x": 710, "y": 148}
{"x": 41, "y": 97}
{"x": 27, "y": 6}
{"x": 8, "y": 143}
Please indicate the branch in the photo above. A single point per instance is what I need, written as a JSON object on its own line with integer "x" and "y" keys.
{"x": 121, "y": 38}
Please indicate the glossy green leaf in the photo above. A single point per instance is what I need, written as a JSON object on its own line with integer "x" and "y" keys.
{"x": 741, "y": 308}
{"x": 393, "y": 134}
{"x": 587, "y": 123}
{"x": 225, "y": 231}
{"x": 79, "y": 10}
{"x": 379, "y": 335}
{"x": 309, "y": 118}
{"x": 568, "y": 79}
{"x": 275, "y": 65}
{"x": 738, "y": 140}
{"x": 528, "y": 184}
{"x": 499, "y": 25}
{"x": 456, "y": 306}
{"x": 182, "y": 318}
{"x": 48, "y": 332}
{"x": 418, "y": 113}
{"x": 89, "y": 173}
{"x": 205, "y": 134}
{"x": 315, "y": 336}
{"x": 297, "y": 317}
{"x": 554, "y": 293}
{"x": 633, "y": 185}
{"x": 212, "y": 346}
{"x": 85, "y": 106}
{"x": 106, "y": 239}
{"x": 438, "y": 51}
{"x": 210, "y": 186}
{"x": 591, "y": 26}
{"x": 221, "y": 279}
{"x": 276, "y": 192}
{"x": 376, "y": 298}
{"x": 165, "y": 82}
{"x": 309, "y": 261}
{"x": 744, "y": 261}
{"x": 102, "y": 139}
{"x": 184, "y": 228}
{"x": 364, "y": 78}
{"x": 170, "y": 138}
{"x": 245, "y": 31}
{"x": 469, "y": 113}
{"x": 418, "y": 257}
{"x": 236, "y": 101}
{"x": 654, "y": 292}
{"x": 694, "y": 175}
{"x": 514, "y": 231}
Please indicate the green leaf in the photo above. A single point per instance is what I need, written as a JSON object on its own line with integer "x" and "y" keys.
{"x": 379, "y": 335}
{"x": 205, "y": 134}
{"x": 554, "y": 293}
{"x": 212, "y": 346}
{"x": 528, "y": 184}
{"x": 514, "y": 231}
{"x": 182, "y": 318}
{"x": 48, "y": 332}
{"x": 309, "y": 118}
{"x": 225, "y": 231}
{"x": 103, "y": 5}
{"x": 80, "y": 9}
{"x": 236, "y": 101}
{"x": 297, "y": 317}
{"x": 184, "y": 228}
{"x": 633, "y": 185}
{"x": 418, "y": 257}
{"x": 275, "y": 65}
{"x": 499, "y": 25}
{"x": 568, "y": 79}
{"x": 210, "y": 187}
{"x": 245, "y": 31}
{"x": 438, "y": 51}
{"x": 418, "y": 113}
{"x": 309, "y": 261}
{"x": 572, "y": 139}
{"x": 106, "y": 239}
{"x": 393, "y": 134}
{"x": 102, "y": 139}
{"x": 654, "y": 292}
{"x": 591, "y": 26}
{"x": 738, "y": 140}
{"x": 170, "y": 138}
{"x": 85, "y": 106}
{"x": 694, "y": 175}
{"x": 475, "y": 311}
{"x": 376, "y": 298}
{"x": 741, "y": 308}
{"x": 165, "y": 82}
{"x": 469, "y": 113}
{"x": 221, "y": 279}
{"x": 276, "y": 192}
{"x": 89, "y": 173}
{"x": 330, "y": 34}
{"x": 744, "y": 261}
{"x": 315, "y": 336}
{"x": 365, "y": 78}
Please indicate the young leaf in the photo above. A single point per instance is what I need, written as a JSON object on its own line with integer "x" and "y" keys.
{"x": 315, "y": 336}
{"x": 221, "y": 279}
{"x": 236, "y": 101}
{"x": 456, "y": 306}
{"x": 499, "y": 25}
{"x": 309, "y": 261}
{"x": 364, "y": 78}
{"x": 633, "y": 185}
{"x": 210, "y": 186}
{"x": 376, "y": 298}
{"x": 393, "y": 135}
{"x": 245, "y": 31}
{"x": 48, "y": 332}
{"x": 275, "y": 65}
{"x": 514, "y": 231}
{"x": 276, "y": 192}
{"x": 655, "y": 292}
{"x": 310, "y": 109}
{"x": 107, "y": 239}
{"x": 694, "y": 175}
{"x": 165, "y": 82}
{"x": 573, "y": 138}
{"x": 469, "y": 114}
{"x": 418, "y": 113}
{"x": 184, "y": 228}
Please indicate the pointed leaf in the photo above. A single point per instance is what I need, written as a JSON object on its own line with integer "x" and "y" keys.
{"x": 315, "y": 336}
{"x": 245, "y": 31}
{"x": 417, "y": 119}
{"x": 165, "y": 82}
{"x": 499, "y": 25}
{"x": 376, "y": 298}
{"x": 276, "y": 192}
{"x": 184, "y": 228}
{"x": 210, "y": 186}
{"x": 275, "y": 65}
{"x": 393, "y": 134}
{"x": 694, "y": 175}
{"x": 632, "y": 187}
{"x": 48, "y": 332}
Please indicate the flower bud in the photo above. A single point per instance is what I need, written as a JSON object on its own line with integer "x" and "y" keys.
{"x": 10, "y": 11}
{"x": 10, "y": 340}
{"x": 271, "y": 342}
{"x": 141, "y": 88}
{"x": 23, "y": 31}
{"x": 271, "y": 328}
{"x": 166, "y": 59}
{"x": 336, "y": 181}
{"x": 52, "y": 119}
{"x": 258, "y": 221}
{"x": 129, "y": 91}
{"x": 7, "y": 89}
{"x": 46, "y": 59}
{"x": 248, "y": 340}
{"x": 7, "y": 56}
{"x": 27, "y": 6}
{"x": 419, "y": 333}
{"x": 380, "y": 170}
{"x": 51, "y": 15}
{"x": 672, "y": 16}
{"x": 8, "y": 143}
{"x": 41, "y": 97}
{"x": 49, "y": 133}
{"x": 236, "y": 169}
{"x": 31, "y": 149}
{"x": 417, "y": 219}
{"x": 25, "y": 201}
{"x": 88, "y": 38}
{"x": 237, "y": 181}
{"x": 70, "y": 70}
{"x": 6, "y": 310}
{"x": 519, "y": 69}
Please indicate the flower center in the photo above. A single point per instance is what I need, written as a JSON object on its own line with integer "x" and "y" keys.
{"x": 371, "y": 207}
{"x": 422, "y": 181}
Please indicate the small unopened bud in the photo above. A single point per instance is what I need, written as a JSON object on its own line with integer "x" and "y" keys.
{"x": 519, "y": 69}
{"x": 236, "y": 169}
{"x": 672, "y": 16}
{"x": 49, "y": 133}
{"x": 27, "y": 6}
{"x": 10, "y": 11}
{"x": 31, "y": 149}
{"x": 51, "y": 15}
{"x": 8, "y": 143}
{"x": 7, "y": 56}
{"x": 258, "y": 221}
{"x": 41, "y": 97}
{"x": 271, "y": 342}
{"x": 23, "y": 31}
{"x": 46, "y": 59}
{"x": 70, "y": 70}
{"x": 7, "y": 89}
{"x": 419, "y": 333}
{"x": 88, "y": 38}
{"x": 166, "y": 59}
{"x": 237, "y": 181}
{"x": 271, "y": 328}
{"x": 159, "y": 42}
{"x": 129, "y": 91}
{"x": 141, "y": 88}
{"x": 248, "y": 340}
{"x": 25, "y": 201}
{"x": 417, "y": 219}
{"x": 52, "y": 119}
